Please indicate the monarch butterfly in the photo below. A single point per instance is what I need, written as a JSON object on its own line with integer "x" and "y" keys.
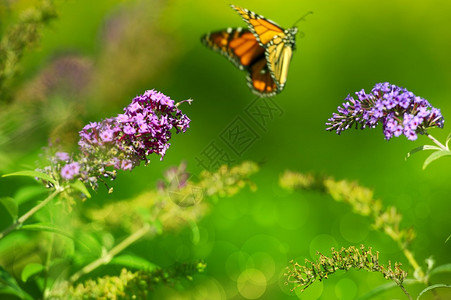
{"x": 264, "y": 51}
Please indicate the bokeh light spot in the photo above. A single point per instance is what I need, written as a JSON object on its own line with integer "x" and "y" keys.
{"x": 322, "y": 243}
{"x": 346, "y": 289}
{"x": 354, "y": 228}
{"x": 312, "y": 293}
{"x": 251, "y": 284}
{"x": 265, "y": 213}
{"x": 236, "y": 264}
{"x": 263, "y": 262}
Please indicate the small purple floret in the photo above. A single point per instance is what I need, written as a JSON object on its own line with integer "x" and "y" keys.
{"x": 63, "y": 156}
{"x": 71, "y": 170}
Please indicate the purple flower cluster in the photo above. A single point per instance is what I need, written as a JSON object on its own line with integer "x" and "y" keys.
{"x": 397, "y": 109}
{"x": 122, "y": 142}
{"x": 144, "y": 128}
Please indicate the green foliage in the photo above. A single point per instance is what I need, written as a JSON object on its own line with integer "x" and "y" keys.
{"x": 439, "y": 151}
{"x": 31, "y": 270}
{"x": 84, "y": 70}
{"x": 34, "y": 174}
{"x": 434, "y": 156}
{"x": 18, "y": 38}
{"x": 176, "y": 205}
{"x": 361, "y": 200}
{"x": 133, "y": 262}
{"x": 433, "y": 287}
{"x": 152, "y": 213}
{"x": 8, "y": 285}
{"x": 129, "y": 284}
{"x": 11, "y": 206}
{"x": 387, "y": 220}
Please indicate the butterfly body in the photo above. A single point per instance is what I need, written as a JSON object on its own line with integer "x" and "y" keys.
{"x": 264, "y": 51}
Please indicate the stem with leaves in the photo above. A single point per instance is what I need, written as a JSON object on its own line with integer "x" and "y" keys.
{"x": 19, "y": 222}
{"x": 439, "y": 149}
{"x": 443, "y": 147}
{"x": 107, "y": 257}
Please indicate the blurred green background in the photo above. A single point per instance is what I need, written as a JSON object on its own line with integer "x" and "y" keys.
{"x": 106, "y": 52}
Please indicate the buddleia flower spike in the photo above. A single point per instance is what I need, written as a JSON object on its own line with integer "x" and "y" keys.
{"x": 399, "y": 111}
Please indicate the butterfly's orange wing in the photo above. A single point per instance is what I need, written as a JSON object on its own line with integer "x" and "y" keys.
{"x": 264, "y": 51}
{"x": 260, "y": 80}
{"x": 264, "y": 29}
{"x": 242, "y": 48}
{"x": 238, "y": 45}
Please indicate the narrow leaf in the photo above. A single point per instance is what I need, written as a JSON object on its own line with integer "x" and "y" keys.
{"x": 78, "y": 185}
{"x": 434, "y": 156}
{"x": 47, "y": 227}
{"x": 32, "y": 174}
{"x": 432, "y": 287}
{"x": 11, "y": 206}
{"x": 30, "y": 270}
{"x": 8, "y": 285}
{"x": 51, "y": 228}
{"x": 441, "y": 269}
{"x": 448, "y": 239}
{"x": 421, "y": 148}
{"x": 132, "y": 261}
{"x": 448, "y": 138}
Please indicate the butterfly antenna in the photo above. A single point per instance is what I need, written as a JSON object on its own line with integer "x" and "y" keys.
{"x": 303, "y": 17}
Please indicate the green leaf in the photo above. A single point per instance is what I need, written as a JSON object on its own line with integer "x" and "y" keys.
{"x": 51, "y": 228}
{"x": 448, "y": 239}
{"x": 432, "y": 287}
{"x": 27, "y": 193}
{"x": 434, "y": 156}
{"x": 30, "y": 270}
{"x": 421, "y": 148}
{"x": 8, "y": 285}
{"x": 441, "y": 269}
{"x": 92, "y": 247}
{"x": 47, "y": 227}
{"x": 32, "y": 174}
{"x": 132, "y": 261}
{"x": 78, "y": 185}
{"x": 11, "y": 206}
{"x": 448, "y": 138}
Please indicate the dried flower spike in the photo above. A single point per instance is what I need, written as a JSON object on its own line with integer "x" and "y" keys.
{"x": 397, "y": 109}
{"x": 346, "y": 258}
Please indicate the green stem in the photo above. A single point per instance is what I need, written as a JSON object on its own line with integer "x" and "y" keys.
{"x": 413, "y": 262}
{"x": 22, "y": 219}
{"x": 443, "y": 147}
{"x": 48, "y": 260}
{"x": 405, "y": 291}
{"x": 104, "y": 259}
